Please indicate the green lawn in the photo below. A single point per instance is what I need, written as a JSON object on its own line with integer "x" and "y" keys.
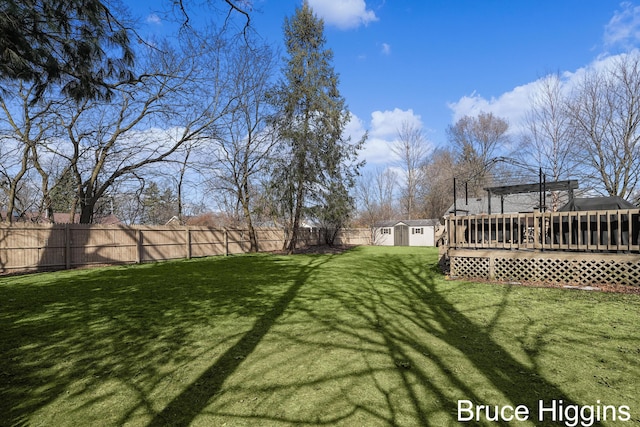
{"x": 373, "y": 336}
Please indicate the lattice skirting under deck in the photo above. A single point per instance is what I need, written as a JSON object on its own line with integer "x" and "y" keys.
{"x": 547, "y": 267}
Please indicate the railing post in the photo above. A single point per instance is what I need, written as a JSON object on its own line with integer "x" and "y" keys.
{"x": 536, "y": 231}
{"x": 619, "y": 231}
{"x": 489, "y": 240}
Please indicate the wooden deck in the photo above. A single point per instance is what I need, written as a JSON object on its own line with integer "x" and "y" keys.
{"x": 588, "y": 231}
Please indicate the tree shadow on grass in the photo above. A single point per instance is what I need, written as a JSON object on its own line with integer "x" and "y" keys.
{"x": 77, "y": 342}
{"x": 362, "y": 338}
{"x": 432, "y": 313}
{"x": 417, "y": 350}
{"x": 418, "y": 301}
{"x": 185, "y": 407}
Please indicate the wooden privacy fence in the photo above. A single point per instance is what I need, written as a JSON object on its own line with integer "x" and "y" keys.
{"x": 594, "y": 231}
{"x": 32, "y": 247}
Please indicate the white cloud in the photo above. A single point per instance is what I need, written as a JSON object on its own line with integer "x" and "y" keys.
{"x": 344, "y": 14}
{"x": 624, "y": 28}
{"x": 377, "y": 151}
{"x": 511, "y": 106}
{"x": 383, "y": 132}
{"x": 514, "y": 104}
{"x": 153, "y": 19}
{"x": 387, "y": 123}
{"x": 372, "y": 148}
{"x": 354, "y": 129}
{"x": 622, "y": 31}
{"x": 386, "y": 48}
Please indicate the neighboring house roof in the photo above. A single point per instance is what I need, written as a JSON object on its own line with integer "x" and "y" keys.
{"x": 65, "y": 218}
{"x": 267, "y": 224}
{"x": 597, "y": 203}
{"x": 107, "y": 220}
{"x": 62, "y": 218}
{"x": 410, "y": 223}
{"x": 24, "y": 217}
{"x": 173, "y": 220}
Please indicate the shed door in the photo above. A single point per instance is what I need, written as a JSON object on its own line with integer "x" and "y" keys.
{"x": 401, "y": 235}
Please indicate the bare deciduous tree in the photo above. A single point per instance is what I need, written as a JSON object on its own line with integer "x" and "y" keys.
{"x": 146, "y": 123}
{"x": 476, "y": 140}
{"x": 375, "y": 195}
{"x": 605, "y": 117}
{"x": 411, "y": 148}
{"x": 386, "y": 182}
{"x": 245, "y": 144}
{"x": 437, "y": 188}
{"x": 549, "y": 141}
{"x": 26, "y": 125}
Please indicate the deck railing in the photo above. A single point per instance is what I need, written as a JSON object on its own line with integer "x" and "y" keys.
{"x": 596, "y": 231}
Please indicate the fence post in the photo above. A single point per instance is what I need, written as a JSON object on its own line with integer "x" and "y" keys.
{"x": 67, "y": 246}
{"x": 188, "y": 241}
{"x": 226, "y": 242}
{"x": 138, "y": 246}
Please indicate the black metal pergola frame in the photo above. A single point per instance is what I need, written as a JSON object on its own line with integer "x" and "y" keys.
{"x": 542, "y": 187}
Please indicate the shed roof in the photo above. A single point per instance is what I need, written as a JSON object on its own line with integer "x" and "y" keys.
{"x": 409, "y": 222}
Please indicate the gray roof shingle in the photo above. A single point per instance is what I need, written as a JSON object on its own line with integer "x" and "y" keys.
{"x": 409, "y": 222}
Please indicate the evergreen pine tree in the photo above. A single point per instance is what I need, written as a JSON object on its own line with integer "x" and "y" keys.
{"x": 310, "y": 120}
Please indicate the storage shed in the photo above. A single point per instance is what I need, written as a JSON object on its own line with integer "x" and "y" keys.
{"x": 415, "y": 232}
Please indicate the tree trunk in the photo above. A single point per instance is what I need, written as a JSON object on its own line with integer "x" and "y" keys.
{"x": 86, "y": 211}
{"x": 253, "y": 241}
{"x": 246, "y": 211}
{"x": 11, "y": 204}
{"x": 296, "y": 217}
{"x": 13, "y": 184}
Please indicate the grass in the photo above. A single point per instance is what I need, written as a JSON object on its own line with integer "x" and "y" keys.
{"x": 373, "y": 336}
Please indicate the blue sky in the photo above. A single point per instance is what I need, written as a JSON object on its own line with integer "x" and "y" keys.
{"x": 430, "y": 62}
